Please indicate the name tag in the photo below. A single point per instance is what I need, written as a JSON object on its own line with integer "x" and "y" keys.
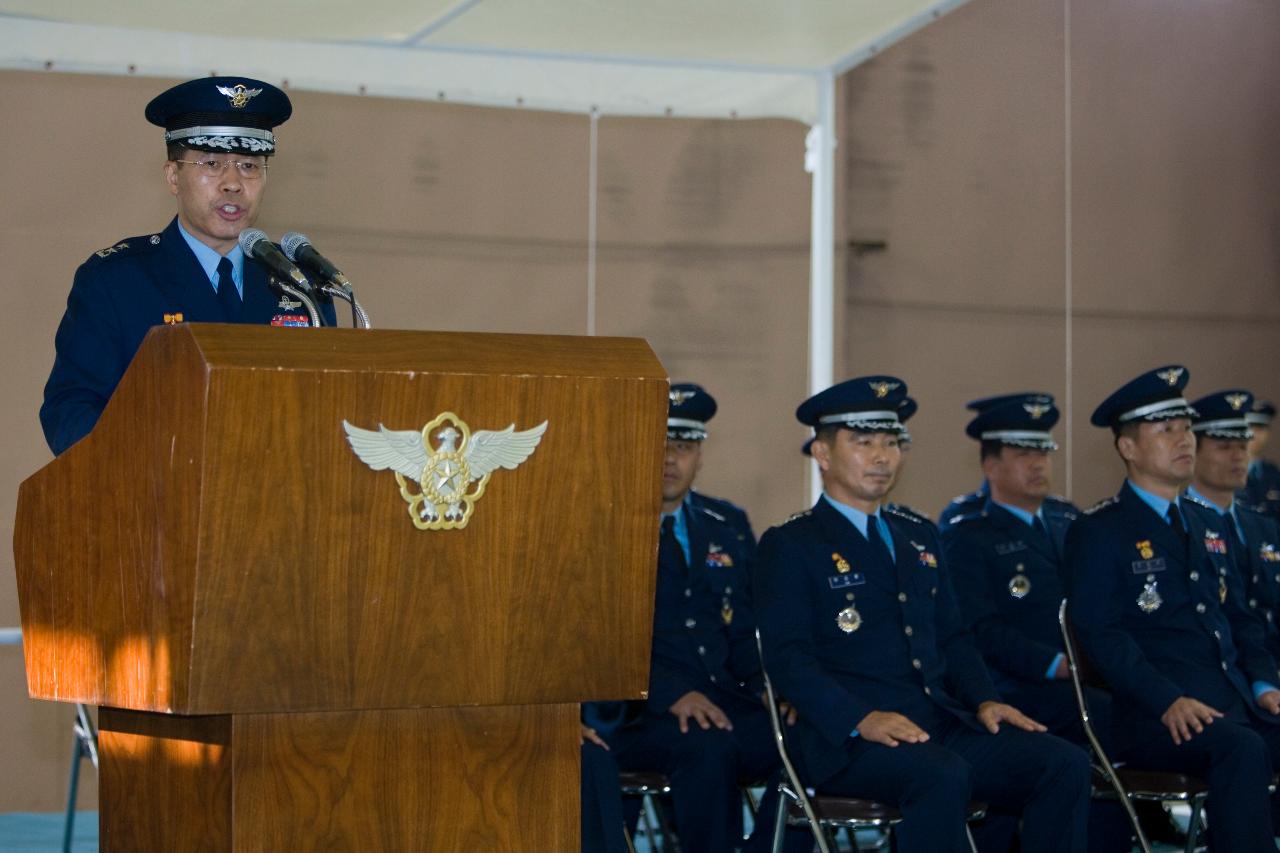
{"x": 1143, "y": 567}
{"x": 1003, "y": 548}
{"x": 851, "y": 579}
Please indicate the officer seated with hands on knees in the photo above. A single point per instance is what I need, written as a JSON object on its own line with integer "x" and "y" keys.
{"x": 704, "y": 724}
{"x": 862, "y": 634}
{"x": 1158, "y": 608}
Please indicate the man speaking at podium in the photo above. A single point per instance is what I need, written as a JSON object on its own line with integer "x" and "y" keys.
{"x": 218, "y": 139}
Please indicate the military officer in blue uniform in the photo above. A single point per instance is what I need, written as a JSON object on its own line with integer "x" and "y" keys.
{"x": 1005, "y": 558}
{"x": 704, "y": 723}
{"x": 862, "y": 634}
{"x": 1006, "y": 566}
{"x": 1222, "y": 432}
{"x": 1262, "y": 489}
{"x": 972, "y": 501}
{"x": 1158, "y": 609}
{"x": 218, "y": 138}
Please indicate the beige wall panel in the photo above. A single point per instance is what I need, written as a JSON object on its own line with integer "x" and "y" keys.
{"x": 953, "y": 155}
{"x": 1175, "y": 129}
{"x": 703, "y": 236}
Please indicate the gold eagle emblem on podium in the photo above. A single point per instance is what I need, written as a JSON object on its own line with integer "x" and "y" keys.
{"x": 443, "y": 468}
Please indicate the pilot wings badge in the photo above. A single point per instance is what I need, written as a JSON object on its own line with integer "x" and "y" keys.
{"x": 443, "y": 468}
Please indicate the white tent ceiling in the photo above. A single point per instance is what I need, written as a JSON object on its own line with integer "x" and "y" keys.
{"x": 707, "y": 58}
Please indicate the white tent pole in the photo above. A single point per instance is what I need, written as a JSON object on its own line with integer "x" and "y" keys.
{"x": 820, "y": 162}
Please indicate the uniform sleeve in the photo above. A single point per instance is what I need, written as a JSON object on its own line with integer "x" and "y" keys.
{"x": 785, "y": 606}
{"x": 967, "y": 675}
{"x": 1095, "y": 594}
{"x": 666, "y": 685}
{"x": 1002, "y": 645}
{"x": 744, "y": 659}
{"x": 88, "y": 363}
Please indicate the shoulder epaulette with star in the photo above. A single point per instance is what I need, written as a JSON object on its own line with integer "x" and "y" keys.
{"x": 907, "y": 513}
{"x": 129, "y": 246}
{"x": 708, "y": 511}
{"x": 1101, "y": 505}
{"x": 805, "y": 513}
{"x": 1199, "y": 501}
{"x": 965, "y": 517}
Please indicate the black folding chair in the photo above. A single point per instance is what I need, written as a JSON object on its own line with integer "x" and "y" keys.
{"x": 1127, "y": 784}
{"x": 825, "y": 814}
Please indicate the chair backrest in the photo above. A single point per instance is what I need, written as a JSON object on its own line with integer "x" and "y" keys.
{"x": 1079, "y": 666}
{"x": 779, "y": 739}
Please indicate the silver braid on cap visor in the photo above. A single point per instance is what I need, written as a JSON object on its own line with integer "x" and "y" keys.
{"x": 1021, "y": 438}
{"x": 883, "y": 421}
{"x": 228, "y": 137}
{"x": 1235, "y": 428}
{"x": 684, "y": 429}
{"x": 1173, "y": 408}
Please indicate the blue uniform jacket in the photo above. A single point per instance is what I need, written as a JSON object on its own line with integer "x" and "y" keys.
{"x": 966, "y": 504}
{"x": 1262, "y": 489}
{"x": 734, "y": 515}
{"x": 911, "y": 653}
{"x": 1008, "y": 581}
{"x": 1259, "y": 565}
{"x": 703, "y": 622}
{"x": 1194, "y": 637}
{"x": 118, "y": 294}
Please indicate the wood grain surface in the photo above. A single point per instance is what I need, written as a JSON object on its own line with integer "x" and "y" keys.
{"x": 440, "y": 779}
{"x": 215, "y": 546}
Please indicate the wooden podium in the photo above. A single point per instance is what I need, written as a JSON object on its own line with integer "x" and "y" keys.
{"x": 284, "y": 660}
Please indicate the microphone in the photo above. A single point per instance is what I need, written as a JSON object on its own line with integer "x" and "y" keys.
{"x": 255, "y": 243}
{"x": 297, "y": 247}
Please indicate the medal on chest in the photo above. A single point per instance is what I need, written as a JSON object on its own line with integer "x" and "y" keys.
{"x": 849, "y": 619}
{"x": 1149, "y": 599}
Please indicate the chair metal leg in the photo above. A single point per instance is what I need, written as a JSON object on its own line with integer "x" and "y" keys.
{"x": 626, "y": 836}
{"x": 780, "y": 822}
{"x": 973, "y": 845}
{"x": 1194, "y": 823}
{"x": 670, "y": 842}
{"x": 68, "y": 826}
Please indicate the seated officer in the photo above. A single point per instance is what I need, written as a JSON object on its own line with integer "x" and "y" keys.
{"x": 862, "y": 634}
{"x": 1005, "y": 560}
{"x": 218, "y": 138}
{"x": 1262, "y": 490}
{"x": 972, "y": 501}
{"x": 1159, "y": 611}
{"x": 704, "y": 724}
{"x": 1222, "y": 464}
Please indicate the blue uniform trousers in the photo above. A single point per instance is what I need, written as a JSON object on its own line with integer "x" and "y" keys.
{"x": 601, "y": 802}
{"x": 1039, "y": 776}
{"x": 705, "y": 768}
{"x": 1236, "y": 759}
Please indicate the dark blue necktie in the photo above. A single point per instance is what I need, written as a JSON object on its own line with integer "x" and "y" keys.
{"x": 669, "y": 550}
{"x": 228, "y": 296}
{"x": 877, "y": 541}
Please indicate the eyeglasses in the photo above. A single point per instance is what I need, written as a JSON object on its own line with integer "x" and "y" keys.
{"x": 249, "y": 170}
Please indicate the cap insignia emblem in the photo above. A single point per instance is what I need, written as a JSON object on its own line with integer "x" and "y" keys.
{"x": 1235, "y": 401}
{"x": 882, "y": 389}
{"x": 1171, "y": 375}
{"x": 443, "y": 468}
{"x": 679, "y": 398}
{"x": 239, "y": 94}
{"x": 1036, "y": 410}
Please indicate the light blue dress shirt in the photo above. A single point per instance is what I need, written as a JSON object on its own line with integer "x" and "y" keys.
{"x": 859, "y": 520}
{"x": 209, "y": 259}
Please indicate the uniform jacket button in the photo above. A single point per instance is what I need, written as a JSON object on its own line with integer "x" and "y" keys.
{"x": 1200, "y": 607}
{"x": 689, "y": 623}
